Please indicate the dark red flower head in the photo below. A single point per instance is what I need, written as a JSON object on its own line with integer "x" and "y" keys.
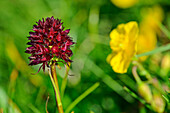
{"x": 49, "y": 43}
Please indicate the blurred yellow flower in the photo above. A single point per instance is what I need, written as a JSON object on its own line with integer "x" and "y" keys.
{"x": 152, "y": 17}
{"x": 149, "y": 25}
{"x": 123, "y": 44}
{"x": 146, "y": 41}
{"x": 124, "y": 3}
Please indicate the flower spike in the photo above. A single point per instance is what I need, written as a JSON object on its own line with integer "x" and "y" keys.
{"x": 49, "y": 43}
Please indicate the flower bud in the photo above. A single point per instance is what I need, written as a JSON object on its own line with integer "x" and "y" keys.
{"x": 158, "y": 104}
{"x": 165, "y": 65}
{"x": 145, "y": 92}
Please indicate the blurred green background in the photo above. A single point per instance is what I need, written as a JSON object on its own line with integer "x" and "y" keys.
{"x": 90, "y": 22}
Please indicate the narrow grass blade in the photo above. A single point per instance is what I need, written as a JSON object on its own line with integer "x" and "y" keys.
{"x": 167, "y": 100}
{"x": 165, "y": 30}
{"x": 81, "y": 97}
{"x": 33, "y": 108}
{"x": 114, "y": 85}
{"x": 136, "y": 97}
{"x": 157, "y": 50}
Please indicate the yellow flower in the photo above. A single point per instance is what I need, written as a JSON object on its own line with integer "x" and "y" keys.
{"x": 146, "y": 41}
{"x": 148, "y": 27}
{"x": 123, "y": 44}
{"x": 124, "y": 3}
{"x": 152, "y": 17}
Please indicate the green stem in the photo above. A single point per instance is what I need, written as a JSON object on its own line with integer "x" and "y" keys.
{"x": 157, "y": 50}
{"x": 56, "y": 89}
{"x": 81, "y": 97}
{"x": 134, "y": 69}
{"x": 151, "y": 80}
{"x": 46, "y": 109}
{"x": 54, "y": 75}
{"x": 143, "y": 71}
{"x": 64, "y": 82}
